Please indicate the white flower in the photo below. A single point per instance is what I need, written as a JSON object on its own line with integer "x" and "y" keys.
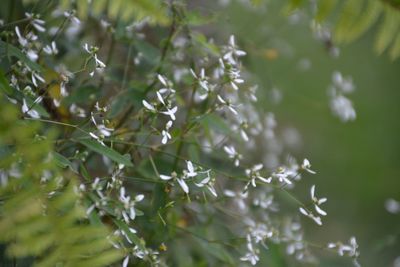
{"x": 259, "y": 232}
{"x": 208, "y": 183}
{"x": 170, "y": 112}
{"x": 99, "y": 63}
{"x": 37, "y": 23}
{"x": 22, "y": 41}
{"x": 167, "y": 85}
{"x": 190, "y": 170}
{"x": 129, "y": 212}
{"x": 71, "y": 16}
{"x": 343, "y": 108}
{"x": 104, "y": 130}
{"x": 32, "y": 55}
{"x": 310, "y": 215}
{"x": 180, "y": 181}
{"x": 239, "y": 197}
{"x": 392, "y": 206}
{"x": 97, "y": 138}
{"x": 165, "y": 134}
{"x": 30, "y": 111}
{"x": 202, "y": 79}
{"x": 254, "y": 174}
{"x": 242, "y": 130}
{"x": 231, "y": 151}
{"x": 232, "y": 51}
{"x": 183, "y": 185}
{"x": 252, "y": 253}
{"x": 160, "y": 97}
{"x": 283, "y": 175}
{"x": 148, "y": 106}
{"x": 317, "y": 201}
{"x": 233, "y": 74}
{"x": 251, "y": 93}
{"x": 350, "y": 250}
{"x": 51, "y": 49}
{"x": 125, "y": 262}
{"x": 306, "y": 165}
{"x": 88, "y": 49}
{"x": 228, "y": 104}
{"x": 344, "y": 84}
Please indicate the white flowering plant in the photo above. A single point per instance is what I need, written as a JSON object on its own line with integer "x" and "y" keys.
{"x": 157, "y": 126}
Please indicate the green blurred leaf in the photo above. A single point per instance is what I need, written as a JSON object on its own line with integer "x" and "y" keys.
{"x": 62, "y": 161}
{"x": 7, "y": 49}
{"x": 388, "y": 30}
{"x": 106, "y": 151}
{"x": 4, "y": 84}
{"x": 150, "y": 53}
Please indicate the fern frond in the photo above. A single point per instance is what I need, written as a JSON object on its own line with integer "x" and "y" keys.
{"x": 357, "y": 17}
{"x": 43, "y": 218}
{"x": 388, "y": 29}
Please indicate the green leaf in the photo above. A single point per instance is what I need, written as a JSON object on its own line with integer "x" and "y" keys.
{"x": 106, "y": 151}
{"x": 324, "y": 9}
{"x": 150, "y": 53}
{"x": 348, "y": 16}
{"x": 219, "y": 252}
{"x": 368, "y": 17}
{"x": 202, "y": 40}
{"x": 84, "y": 172}
{"x": 62, "y": 161}
{"x": 4, "y": 85}
{"x": 388, "y": 30}
{"x": 83, "y": 95}
{"x": 215, "y": 122}
{"x": 395, "y": 50}
{"x": 8, "y": 49}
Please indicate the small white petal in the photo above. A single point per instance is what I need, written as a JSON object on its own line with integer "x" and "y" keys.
{"x": 139, "y": 198}
{"x": 125, "y": 262}
{"x": 148, "y": 105}
{"x": 312, "y": 191}
{"x": 303, "y": 211}
{"x": 183, "y": 185}
{"x": 320, "y": 211}
{"x": 165, "y": 177}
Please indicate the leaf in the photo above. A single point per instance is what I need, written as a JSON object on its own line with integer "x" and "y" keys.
{"x": 348, "y": 15}
{"x": 324, "y": 9}
{"x": 368, "y": 17}
{"x": 83, "y": 171}
{"x": 4, "y": 85}
{"x": 388, "y": 30}
{"x": 215, "y": 122}
{"x": 106, "y": 151}
{"x": 8, "y": 49}
{"x": 202, "y": 40}
{"x": 62, "y": 161}
{"x": 82, "y": 95}
{"x": 127, "y": 9}
{"x": 219, "y": 252}
{"x": 292, "y": 6}
{"x": 150, "y": 53}
{"x": 395, "y": 50}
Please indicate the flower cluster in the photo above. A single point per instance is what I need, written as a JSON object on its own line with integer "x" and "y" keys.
{"x": 190, "y": 174}
{"x": 341, "y": 106}
{"x": 200, "y": 131}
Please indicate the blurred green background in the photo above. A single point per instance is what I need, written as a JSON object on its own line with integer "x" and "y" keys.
{"x": 357, "y": 162}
